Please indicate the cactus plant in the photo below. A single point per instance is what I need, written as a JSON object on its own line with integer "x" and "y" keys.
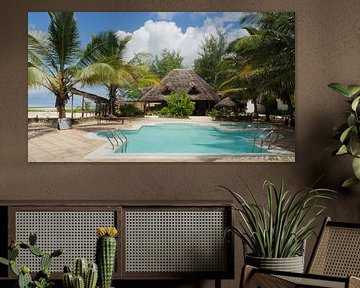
{"x": 79, "y": 282}
{"x": 91, "y": 276}
{"x": 45, "y": 261}
{"x": 106, "y": 254}
{"x": 32, "y": 239}
{"x": 42, "y": 278}
{"x": 24, "y": 277}
{"x": 80, "y": 268}
{"x": 68, "y": 280}
{"x": 84, "y": 276}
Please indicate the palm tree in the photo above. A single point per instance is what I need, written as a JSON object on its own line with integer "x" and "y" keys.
{"x": 108, "y": 67}
{"x": 265, "y": 59}
{"x": 52, "y": 57}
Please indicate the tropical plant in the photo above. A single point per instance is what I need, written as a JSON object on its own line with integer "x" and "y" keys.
{"x": 108, "y": 67}
{"x": 42, "y": 278}
{"x": 279, "y": 229}
{"x": 213, "y": 113}
{"x": 208, "y": 64}
{"x": 349, "y": 132}
{"x": 52, "y": 57}
{"x": 179, "y": 104}
{"x": 262, "y": 64}
{"x": 167, "y": 61}
{"x": 128, "y": 110}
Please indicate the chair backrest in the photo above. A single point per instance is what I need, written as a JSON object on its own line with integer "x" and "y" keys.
{"x": 337, "y": 251}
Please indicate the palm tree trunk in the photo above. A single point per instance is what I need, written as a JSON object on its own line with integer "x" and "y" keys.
{"x": 267, "y": 111}
{"x": 255, "y": 106}
{"x": 291, "y": 111}
{"x": 60, "y": 105}
{"x": 112, "y": 98}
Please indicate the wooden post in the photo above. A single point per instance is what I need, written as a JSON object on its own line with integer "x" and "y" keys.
{"x": 72, "y": 106}
{"x": 82, "y": 107}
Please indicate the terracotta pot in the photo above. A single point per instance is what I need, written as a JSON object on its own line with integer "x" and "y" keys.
{"x": 291, "y": 264}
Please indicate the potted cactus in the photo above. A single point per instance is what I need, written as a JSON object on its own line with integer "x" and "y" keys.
{"x": 84, "y": 275}
{"x": 106, "y": 254}
{"x": 42, "y": 278}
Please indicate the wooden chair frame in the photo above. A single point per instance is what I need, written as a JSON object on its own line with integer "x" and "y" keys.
{"x": 255, "y": 277}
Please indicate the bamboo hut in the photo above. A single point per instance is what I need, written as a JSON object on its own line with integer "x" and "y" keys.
{"x": 204, "y": 95}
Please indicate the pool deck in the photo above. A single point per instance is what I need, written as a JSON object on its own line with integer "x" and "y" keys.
{"x": 46, "y": 144}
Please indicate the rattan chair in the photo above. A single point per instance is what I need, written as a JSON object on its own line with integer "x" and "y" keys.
{"x": 334, "y": 263}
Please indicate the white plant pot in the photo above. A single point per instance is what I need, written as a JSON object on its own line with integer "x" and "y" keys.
{"x": 291, "y": 264}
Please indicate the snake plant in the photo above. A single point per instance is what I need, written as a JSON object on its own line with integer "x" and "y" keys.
{"x": 349, "y": 132}
{"x": 279, "y": 228}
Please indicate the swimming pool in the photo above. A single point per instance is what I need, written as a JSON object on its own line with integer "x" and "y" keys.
{"x": 186, "y": 138}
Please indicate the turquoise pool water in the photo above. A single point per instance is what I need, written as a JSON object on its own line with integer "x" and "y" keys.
{"x": 183, "y": 138}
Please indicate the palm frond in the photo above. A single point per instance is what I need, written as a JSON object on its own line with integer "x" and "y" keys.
{"x": 64, "y": 40}
{"x": 37, "y": 77}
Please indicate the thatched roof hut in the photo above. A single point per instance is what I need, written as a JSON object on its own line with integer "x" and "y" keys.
{"x": 226, "y": 103}
{"x": 203, "y": 94}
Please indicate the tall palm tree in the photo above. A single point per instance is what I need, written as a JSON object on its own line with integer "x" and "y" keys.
{"x": 266, "y": 57}
{"x": 109, "y": 67}
{"x": 52, "y": 57}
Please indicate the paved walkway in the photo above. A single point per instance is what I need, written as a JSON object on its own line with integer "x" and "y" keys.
{"x": 61, "y": 146}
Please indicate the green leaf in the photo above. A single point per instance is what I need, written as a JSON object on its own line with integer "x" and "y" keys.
{"x": 349, "y": 182}
{"x": 345, "y": 134}
{"x": 354, "y": 146}
{"x": 354, "y": 89}
{"x": 355, "y": 103}
{"x": 342, "y": 150}
{"x": 351, "y": 120}
{"x": 345, "y": 90}
{"x": 14, "y": 268}
{"x": 340, "y": 88}
{"x": 4, "y": 261}
{"x": 356, "y": 167}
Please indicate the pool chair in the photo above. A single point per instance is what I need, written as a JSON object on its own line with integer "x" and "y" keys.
{"x": 334, "y": 263}
{"x": 110, "y": 118}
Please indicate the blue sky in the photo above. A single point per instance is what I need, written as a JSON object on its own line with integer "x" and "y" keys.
{"x": 94, "y": 22}
{"x": 150, "y": 31}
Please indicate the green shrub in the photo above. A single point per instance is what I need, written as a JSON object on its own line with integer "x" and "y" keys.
{"x": 129, "y": 110}
{"x": 165, "y": 112}
{"x": 152, "y": 113}
{"x": 179, "y": 104}
{"x": 213, "y": 113}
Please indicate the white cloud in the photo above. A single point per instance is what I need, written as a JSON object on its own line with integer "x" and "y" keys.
{"x": 155, "y": 36}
